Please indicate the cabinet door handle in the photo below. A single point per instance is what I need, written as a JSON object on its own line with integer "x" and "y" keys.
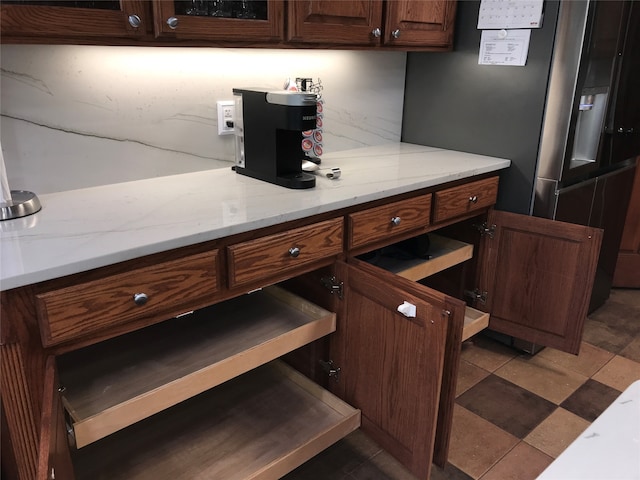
{"x": 172, "y": 22}
{"x": 396, "y": 33}
{"x": 473, "y": 199}
{"x": 140, "y": 298}
{"x": 134, "y": 21}
{"x": 395, "y": 220}
{"x": 294, "y": 252}
{"x": 376, "y": 32}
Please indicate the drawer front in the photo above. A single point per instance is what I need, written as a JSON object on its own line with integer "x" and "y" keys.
{"x": 467, "y": 198}
{"x": 369, "y": 226}
{"x": 76, "y": 311}
{"x": 269, "y": 256}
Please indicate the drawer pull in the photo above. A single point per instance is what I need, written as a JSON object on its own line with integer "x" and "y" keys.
{"x": 140, "y": 298}
{"x": 395, "y": 220}
{"x": 473, "y": 199}
{"x": 294, "y": 252}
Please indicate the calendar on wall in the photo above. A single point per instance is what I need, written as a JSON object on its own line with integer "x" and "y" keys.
{"x": 509, "y": 14}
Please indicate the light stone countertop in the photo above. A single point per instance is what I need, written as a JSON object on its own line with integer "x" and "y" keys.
{"x": 609, "y": 449}
{"x": 79, "y": 230}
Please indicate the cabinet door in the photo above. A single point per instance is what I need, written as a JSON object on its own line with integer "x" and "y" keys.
{"x": 335, "y": 22}
{"x": 538, "y": 275}
{"x": 126, "y": 18}
{"x": 627, "y": 272}
{"x": 420, "y": 24}
{"x": 54, "y": 460}
{"x": 257, "y": 20}
{"x": 391, "y": 365}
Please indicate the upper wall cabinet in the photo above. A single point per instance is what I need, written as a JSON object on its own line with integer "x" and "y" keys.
{"x": 360, "y": 24}
{"x": 407, "y": 23}
{"x": 223, "y": 20}
{"x": 47, "y": 19}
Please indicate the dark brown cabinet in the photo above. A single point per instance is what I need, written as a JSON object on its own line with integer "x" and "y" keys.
{"x": 51, "y": 19}
{"x": 373, "y": 23}
{"x": 627, "y": 270}
{"x": 389, "y": 369}
{"x": 257, "y": 21}
{"x": 276, "y": 23}
{"x": 392, "y": 365}
{"x": 537, "y": 275}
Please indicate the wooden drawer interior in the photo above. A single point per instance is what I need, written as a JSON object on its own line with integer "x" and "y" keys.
{"x": 271, "y": 256}
{"x": 260, "y": 425}
{"x": 77, "y": 311}
{"x": 117, "y": 383}
{"x": 385, "y": 222}
{"x": 443, "y": 253}
{"x": 464, "y": 199}
{"x": 474, "y": 322}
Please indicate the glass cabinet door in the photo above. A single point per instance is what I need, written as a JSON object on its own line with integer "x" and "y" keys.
{"x": 72, "y": 19}
{"x": 251, "y": 20}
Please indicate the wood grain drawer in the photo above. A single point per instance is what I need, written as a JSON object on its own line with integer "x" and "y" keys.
{"x": 456, "y": 201}
{"x": 74, "y": 312}
{"x": 387, "y": 221}
{"x": 258, "y": 426}
{"x": 114, "y": 384}
{"x": 270, "y": 256}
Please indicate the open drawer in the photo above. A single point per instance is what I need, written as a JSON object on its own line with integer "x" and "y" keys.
{"x": 112, "y": 385}
{"x": 260, "y": 425}
{"x": 443, "y": 253}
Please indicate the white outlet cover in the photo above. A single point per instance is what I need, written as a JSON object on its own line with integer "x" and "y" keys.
{"x": 225, "y": 106}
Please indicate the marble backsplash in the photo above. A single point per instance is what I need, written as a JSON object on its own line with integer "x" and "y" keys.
{"x": 80, "y": 116}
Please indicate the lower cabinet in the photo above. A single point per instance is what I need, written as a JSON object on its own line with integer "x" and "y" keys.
{"x": 148, "y": 398}
{"x": 205, "y": 394}
{"x": 212, "y": 393}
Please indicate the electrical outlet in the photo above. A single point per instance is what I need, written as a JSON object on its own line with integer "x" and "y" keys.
{"x": 226, "y": 116}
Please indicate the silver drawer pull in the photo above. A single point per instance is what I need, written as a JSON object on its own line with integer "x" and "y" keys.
{"x": 473, "y": 199}
{"x": 395, "y": 220}
{"x": 294, "y": 252}
{"x": 140, "y": 298}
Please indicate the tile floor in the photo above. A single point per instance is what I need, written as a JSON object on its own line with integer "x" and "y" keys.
{"x": 515, "y": 413}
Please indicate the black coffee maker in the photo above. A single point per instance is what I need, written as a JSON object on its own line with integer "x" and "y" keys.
{"x": 268, "y": 128}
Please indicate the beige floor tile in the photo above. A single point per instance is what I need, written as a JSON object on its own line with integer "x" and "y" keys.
{"x": 468, "y": 376}
{"x": 524, "y": 462}
{"x": 632, "y": 350}
{"x": 557, "y": 432}
{"x": 619, "y": 373}
{"x": 476, "y": 444}
{"x": 542, "y": 377}
{"x": 589, "y": 361}
{"x": 486, "y": 353}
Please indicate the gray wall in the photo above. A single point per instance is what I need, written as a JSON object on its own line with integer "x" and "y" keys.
{"x": 452, "y": 102}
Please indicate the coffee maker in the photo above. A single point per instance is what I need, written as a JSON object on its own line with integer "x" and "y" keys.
{"x": 268, "y": 127}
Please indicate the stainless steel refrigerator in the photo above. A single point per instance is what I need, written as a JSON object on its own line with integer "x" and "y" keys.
{"x": 569, "y": 120}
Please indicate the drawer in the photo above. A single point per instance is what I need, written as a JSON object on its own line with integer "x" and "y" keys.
{"x": 258, "y": 426}
{"x": 457, "y": 201}
{"x": 269, "y": 257}
{"x": 117, "y": 383}
{"x": 77, "y": 311}
{"x": 387, "y": 221}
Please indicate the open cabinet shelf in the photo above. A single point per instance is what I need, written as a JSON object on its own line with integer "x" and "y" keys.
{"x": 260, "y": 425}
{"x": 474, "y": 322}
{"x": 117, "y": 383}
{"x": 443, "y": 253}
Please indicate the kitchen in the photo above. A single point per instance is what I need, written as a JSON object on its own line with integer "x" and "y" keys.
{"x": 95, "y": 113}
